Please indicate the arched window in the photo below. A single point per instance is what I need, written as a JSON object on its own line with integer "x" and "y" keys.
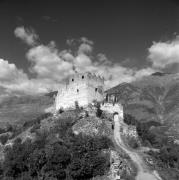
{"x": 82, "y": 77}
{"x": 77, "y": 90}
{"x": 96, "y": 89}
{"x": 72, "y": 80}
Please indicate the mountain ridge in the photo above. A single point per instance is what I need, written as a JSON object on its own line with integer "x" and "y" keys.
{"x": 152, "y": 98}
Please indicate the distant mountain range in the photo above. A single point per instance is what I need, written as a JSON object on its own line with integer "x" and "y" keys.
{"x": 17, "y": 109}
{"x": 153, "y": 98}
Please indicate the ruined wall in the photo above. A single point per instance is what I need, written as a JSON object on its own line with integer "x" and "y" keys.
{"x": 68, "y": 96}
{"x": 129, "y": 131}
{"x": 80, "y": 88}
{"x": 126, "y": 130}
{"x": 95, "y": 91}
{"x": 114, "y": 108}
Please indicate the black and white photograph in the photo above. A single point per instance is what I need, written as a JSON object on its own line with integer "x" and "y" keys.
{"x": 89, "y": 89}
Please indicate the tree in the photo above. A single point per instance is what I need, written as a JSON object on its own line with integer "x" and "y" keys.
{"x": 98, "y": 110}
{"x": 68, "y": 157}
{"x": 129, "y": 119}
{"x": 3, "y": 139}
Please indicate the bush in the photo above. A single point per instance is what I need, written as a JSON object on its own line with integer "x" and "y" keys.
{"x": 2, "y": 130}
{"x": 168, "y": 157}
{"x": 35, "y": 127}
{"x": 36, "y": 120}
{"x": 98, "y": 111}
{"x": 68, "y": 157}
{"x": 60, "y": 110}
{"x": 130, "y": 120}
{"x": 3, "y": 139}
{"x": 133, "y": 143}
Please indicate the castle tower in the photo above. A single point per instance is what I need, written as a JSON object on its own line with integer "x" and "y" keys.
{"x": 80, "y": 89}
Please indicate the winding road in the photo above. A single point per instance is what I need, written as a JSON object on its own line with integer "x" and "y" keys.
{"x": 143, "y": 171}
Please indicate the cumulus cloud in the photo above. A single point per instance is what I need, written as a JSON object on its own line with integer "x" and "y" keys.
{"x": 82, "y": 40}
{"x": 164, "y": 54}
{"x": 51, "y": 66}
{"x": 50, "y": 63}
{"x": 27, "y": 35}
{"x": 10, "y": 73}
{"x": 102, "y": 57}
{"x": 14, "y": 79}
{"x": 85, "y": 49}
{"x": 115, "y": 73}
{"x": 86, "y": 40}
{"x": 11, "y": 77}
{"x": 47, "y": 63}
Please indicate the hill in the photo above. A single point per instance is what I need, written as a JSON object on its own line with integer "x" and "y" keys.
{"x": 153, "y": 98}
{"x": 17, "y": 109}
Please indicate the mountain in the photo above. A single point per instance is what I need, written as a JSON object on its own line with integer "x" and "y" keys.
{"x": 153, "y": 98}
{"x": 17, "y": 109}
{"x": 51, "y": 94}
{"x": 159, "y": 74}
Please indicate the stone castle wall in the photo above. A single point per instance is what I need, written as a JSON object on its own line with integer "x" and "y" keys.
{"x": 126, "y": 130}
{"x": 80, "y": 88}
{"x": 114, "y": 108}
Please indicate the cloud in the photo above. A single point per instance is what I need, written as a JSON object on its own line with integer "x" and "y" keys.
{"x": 86, "y": 41}
{"x": 13, "y": 79}
{"x": 11, "y": 76}
{"x": 85, "y": 49}
{"x": 27, "y": 35}
{"x": 51, "y": 66}
{"x": 164, "y": 54}
{"x": 47, "y": 63}
{"x": 82, "y": 62}
{"x": 49, "y": 18}
{"x": 115, "y": 73}
{"x": 10, "y": 73}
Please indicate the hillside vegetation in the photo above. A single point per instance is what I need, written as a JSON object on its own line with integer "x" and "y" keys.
{"x": 154, "y": 98}
{"x": 57, "y": 154}
{"x": 152, "y": 105}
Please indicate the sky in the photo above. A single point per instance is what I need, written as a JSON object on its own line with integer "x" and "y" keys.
{"x": 44, "y": 42}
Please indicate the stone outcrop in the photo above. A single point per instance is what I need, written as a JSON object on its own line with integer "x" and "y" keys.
{"x": 92, "y": 126}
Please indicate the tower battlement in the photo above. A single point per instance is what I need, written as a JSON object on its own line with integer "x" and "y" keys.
{"x": 84, "y": 77}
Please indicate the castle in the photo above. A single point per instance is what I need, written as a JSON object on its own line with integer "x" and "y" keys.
{"x": 80, "y": 90}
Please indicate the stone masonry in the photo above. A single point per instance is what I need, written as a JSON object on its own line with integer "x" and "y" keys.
{"x": 80, "y": 89}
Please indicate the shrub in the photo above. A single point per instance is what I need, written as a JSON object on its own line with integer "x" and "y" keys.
{"x": 3, "y": 139}
{"x": 36, "y": 120}
{"x": 60, "y": 110}
{"x": 68, "y": 157}
{"x": 2, "y": 130}
{"x": 98, "y": 111}
{"x": 133, "y": 143}
{"x": 35, "y": 127}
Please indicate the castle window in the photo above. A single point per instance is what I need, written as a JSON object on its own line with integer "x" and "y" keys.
{"x": 72, "y": 80}
{"x": 107, "y": 97}
{"x": 82, "y": 77}
{"x": 77, "y": 90}
{"x": 96, "y": 89}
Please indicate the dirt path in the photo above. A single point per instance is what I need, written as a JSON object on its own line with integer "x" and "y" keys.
{"x": 143, "y": 172}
